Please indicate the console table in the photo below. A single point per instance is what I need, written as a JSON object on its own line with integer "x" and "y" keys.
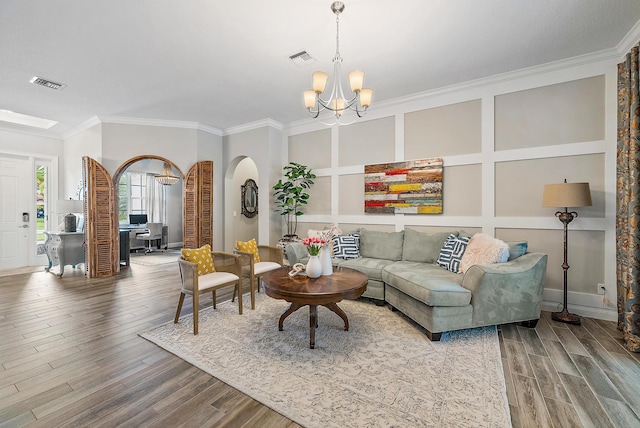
{"x": 64, "y": 248}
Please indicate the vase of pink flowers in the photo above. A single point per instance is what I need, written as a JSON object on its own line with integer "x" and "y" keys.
{"x": 314, "y": 267}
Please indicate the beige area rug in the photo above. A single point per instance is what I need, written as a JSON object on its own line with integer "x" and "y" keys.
{"x": 155, "y": 258}
{"x": 382, "y": 372}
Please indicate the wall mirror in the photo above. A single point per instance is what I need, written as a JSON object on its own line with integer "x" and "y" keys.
{"x": 249, "y": 198}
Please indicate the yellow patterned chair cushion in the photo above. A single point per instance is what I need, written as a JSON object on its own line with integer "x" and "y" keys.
{"x": 249, "y": 247}
{"x": 200, "y": 256}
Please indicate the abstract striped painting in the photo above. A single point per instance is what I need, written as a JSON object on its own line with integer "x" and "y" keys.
{"x": 411, "y": 187}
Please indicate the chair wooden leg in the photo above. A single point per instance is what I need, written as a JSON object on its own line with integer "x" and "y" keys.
{"x": 196, "y": 309}
{"x": 253, "y": 295}
{"x": 213, "y": 294}
{"x": 239, "y": 282}
{"x": 179, "y": 307}
{"x": 233, "y": 298}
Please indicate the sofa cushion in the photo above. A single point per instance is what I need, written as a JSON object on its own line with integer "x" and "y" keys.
{"x": 346, "y": 246}
{"x": 371, "y": 267}
{"x": 381, "y": 245}
{"x": 451, "y": 253}
{"x": 517, "y": 249}
{"x": 427, "y": 283}
{"x": 423, "y": 247}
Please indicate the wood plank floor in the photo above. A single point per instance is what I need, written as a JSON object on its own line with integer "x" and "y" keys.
{"x": 70, "y": 356}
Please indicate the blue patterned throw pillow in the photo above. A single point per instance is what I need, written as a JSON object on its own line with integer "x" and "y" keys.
{"x": 451, "y": 253}
{"x": 346, "y": 246}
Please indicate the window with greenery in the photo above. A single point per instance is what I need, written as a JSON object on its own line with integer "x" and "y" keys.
{"x": 41, "y": 201}
{"x": 132, "y": 193}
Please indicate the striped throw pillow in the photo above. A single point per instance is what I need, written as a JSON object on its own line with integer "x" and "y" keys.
{"x": 346, "y": 246}
{"x": 451, "y": 253}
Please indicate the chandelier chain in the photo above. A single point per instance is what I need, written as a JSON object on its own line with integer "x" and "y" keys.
{"x": 337, "y": 57}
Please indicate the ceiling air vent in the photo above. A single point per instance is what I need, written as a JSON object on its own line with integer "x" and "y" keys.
{"x": 46, "y": 82}
{"x": 302, "y": 58}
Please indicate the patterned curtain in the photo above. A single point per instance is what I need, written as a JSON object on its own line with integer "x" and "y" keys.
{"x": 628, "y": 201}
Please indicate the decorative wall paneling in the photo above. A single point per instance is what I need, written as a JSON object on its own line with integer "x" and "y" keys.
{"x": 491, "y": 161}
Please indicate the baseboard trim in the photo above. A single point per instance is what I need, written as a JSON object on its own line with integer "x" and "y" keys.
{"x": 583, "y": 304}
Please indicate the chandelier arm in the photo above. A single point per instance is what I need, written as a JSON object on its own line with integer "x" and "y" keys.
{"x": 348, "y": 104}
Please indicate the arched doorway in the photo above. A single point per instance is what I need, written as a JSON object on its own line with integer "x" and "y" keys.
{"x": 101, "y": 213}
{"x": 138, "y": 192}
{"x": 239, "y": 227}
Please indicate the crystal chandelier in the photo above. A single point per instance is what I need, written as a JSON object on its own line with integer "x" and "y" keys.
{"x": 337, "y": 104}
{"x": 166, "y": 177}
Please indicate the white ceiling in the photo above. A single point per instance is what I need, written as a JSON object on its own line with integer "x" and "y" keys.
{"x": 225, "y": 64}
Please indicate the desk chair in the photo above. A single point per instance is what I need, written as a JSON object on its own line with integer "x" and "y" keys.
{"x": 154, "y": 233}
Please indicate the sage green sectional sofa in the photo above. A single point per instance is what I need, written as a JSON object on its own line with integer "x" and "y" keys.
{"x": 402, "y": 271}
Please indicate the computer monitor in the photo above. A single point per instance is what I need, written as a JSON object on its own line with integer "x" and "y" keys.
{"x": 137, "y": 219}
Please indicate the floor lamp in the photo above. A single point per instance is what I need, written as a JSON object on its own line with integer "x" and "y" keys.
{"x": 567, "y": 195}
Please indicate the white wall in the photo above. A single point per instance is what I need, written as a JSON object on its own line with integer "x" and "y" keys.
{"x": 85, "y": 143}
{"x": 263, "y": 144}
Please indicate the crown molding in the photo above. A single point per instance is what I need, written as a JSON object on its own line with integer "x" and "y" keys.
{"x": 630, "y": 40}
{"x": 600, "y": 56}
{"x": 254, "y": 125}
{"x": 89, "y": 123}
{"x": 121, "y": 120}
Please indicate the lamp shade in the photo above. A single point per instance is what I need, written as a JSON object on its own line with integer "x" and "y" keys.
{"x": 566, "y": 195}
{"x": 319, "y": 81}
{"x": 66, "y": 206}
{"x": 309, "y": 99}
{"x": 167, "y": 178}
{"x": 365, "y": 97}
{"x": 356, "y": 79}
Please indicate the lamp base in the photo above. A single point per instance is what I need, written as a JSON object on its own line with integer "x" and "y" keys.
{"x": 565, "y": 317}
{"x": 70, "y": 223}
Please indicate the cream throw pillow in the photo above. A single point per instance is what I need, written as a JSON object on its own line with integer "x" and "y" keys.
{"x": 482, "y": 250}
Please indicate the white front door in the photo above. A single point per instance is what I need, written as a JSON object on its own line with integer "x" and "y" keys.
{"x": 14, "y": 202}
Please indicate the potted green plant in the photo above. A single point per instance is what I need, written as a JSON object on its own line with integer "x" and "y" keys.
{"x": 292, "y": 194}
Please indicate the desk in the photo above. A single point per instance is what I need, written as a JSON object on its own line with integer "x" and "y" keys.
{"x": 134, "y": 231}
{"x": 64, "y": 248}
{"x": 124, "y": 247}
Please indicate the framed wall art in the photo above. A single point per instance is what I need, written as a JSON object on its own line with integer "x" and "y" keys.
{"x": 409, "y": 187}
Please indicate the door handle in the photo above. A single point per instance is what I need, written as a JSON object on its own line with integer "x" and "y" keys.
{"x": 24, "y": 226}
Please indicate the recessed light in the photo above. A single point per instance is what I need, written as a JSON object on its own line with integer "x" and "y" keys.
{"x": 25, "y": 119}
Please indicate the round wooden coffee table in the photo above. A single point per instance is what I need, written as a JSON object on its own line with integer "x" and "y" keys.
{"x": 327, "y": 291}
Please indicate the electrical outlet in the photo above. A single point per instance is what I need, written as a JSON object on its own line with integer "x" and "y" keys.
{"x": 601, "y": 289}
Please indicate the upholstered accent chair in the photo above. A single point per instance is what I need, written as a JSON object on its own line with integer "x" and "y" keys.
{"x": 227, "y": 274}
{"x": 268, "y": 258}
